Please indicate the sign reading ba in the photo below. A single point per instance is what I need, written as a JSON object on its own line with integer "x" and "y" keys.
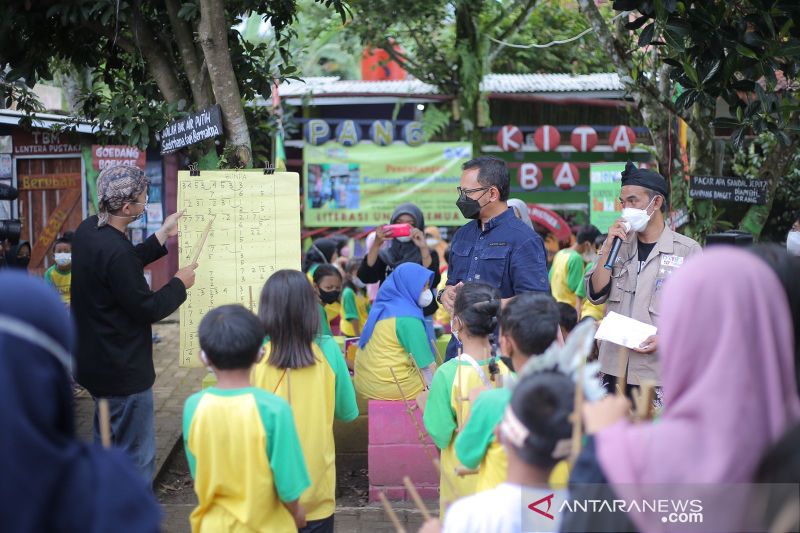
{"x": 205, "y": 124}
{"x": 729, "y": 189}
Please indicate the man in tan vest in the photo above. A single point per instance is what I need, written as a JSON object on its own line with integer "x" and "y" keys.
{"x": 650, "y": 252}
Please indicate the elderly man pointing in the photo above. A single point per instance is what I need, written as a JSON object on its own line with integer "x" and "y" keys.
{"x": 650, "y": 252}
{"x": 114, "y": 309}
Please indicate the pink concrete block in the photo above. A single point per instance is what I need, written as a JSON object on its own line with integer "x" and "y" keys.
{"x": 430, "y": 494}
{"x": 389, "y": 463}
{"x": 395, "y": 494}
{"x": 390, "y": 423}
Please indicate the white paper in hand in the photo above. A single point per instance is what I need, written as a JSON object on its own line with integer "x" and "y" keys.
{"x": 623, "y": 330}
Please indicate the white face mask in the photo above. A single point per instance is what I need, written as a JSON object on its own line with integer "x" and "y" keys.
{"x": 793, "y": 243}
{"x": 407, "y": 238}
{"x": 431, "y": 242}
{"x": 425, "y": 298}
{"x": 637, "y": 218}
{"x": 63, "y": 259}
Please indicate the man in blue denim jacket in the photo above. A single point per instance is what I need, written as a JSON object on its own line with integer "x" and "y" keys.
{"x": 495, "y": 247}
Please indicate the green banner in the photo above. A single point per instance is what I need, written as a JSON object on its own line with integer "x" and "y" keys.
{"x": 604, "y": 186}
{"x": 361, "y": 185}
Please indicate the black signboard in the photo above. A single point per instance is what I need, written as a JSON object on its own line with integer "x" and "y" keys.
{"x": 205, "y": 124}
{"x": 729, "y": 189}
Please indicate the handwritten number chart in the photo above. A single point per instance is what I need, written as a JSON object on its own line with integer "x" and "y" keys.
{"x": 255, "y": 232}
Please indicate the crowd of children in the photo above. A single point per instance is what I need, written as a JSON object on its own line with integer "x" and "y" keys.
{"x": 260, "y": 443}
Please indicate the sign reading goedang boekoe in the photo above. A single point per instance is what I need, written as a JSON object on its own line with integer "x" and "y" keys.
{"x": 361, "y": 185}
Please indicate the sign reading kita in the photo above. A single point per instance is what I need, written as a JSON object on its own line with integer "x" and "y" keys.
{"x": 547, "y": 138}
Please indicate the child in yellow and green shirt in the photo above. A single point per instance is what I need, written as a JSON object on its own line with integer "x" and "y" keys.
{"x": 327, "y": 283}
{"x": 528, "y": 326}
{"x": 308, "y": 371}
{"x": 241, "y": 443}
{"x": 457, "y": 381}
{"x": 394, "y": 338}
{"x": 355, "y": 306}
{"x": 59, "y": 275}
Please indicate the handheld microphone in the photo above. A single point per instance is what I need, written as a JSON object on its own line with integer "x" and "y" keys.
{"x": 615, "y": 244}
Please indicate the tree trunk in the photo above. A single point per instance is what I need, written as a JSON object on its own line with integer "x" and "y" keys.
{"x": 201, "y": 90}
{"x": 470, "y": 50}
{"x": 774, "y": 168}
{"x": 158, "y": 63}
{"x": 213, "y": 35}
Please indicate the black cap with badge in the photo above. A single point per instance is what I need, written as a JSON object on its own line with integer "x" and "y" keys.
{"x": 644, "y": 178}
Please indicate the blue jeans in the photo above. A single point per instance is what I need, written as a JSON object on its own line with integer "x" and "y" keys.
{"x": 132, "y": 429}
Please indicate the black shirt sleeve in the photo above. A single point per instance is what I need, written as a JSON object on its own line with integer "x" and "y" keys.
{"x": 134, "y": 296}
{"x": 372, "y": 274}
{"x": 602, "y": 292}
{"x": 150, "y": 250}
{"x": 434, "y": 267}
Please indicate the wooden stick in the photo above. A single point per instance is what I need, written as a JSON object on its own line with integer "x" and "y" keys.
{"x": 251, "y": 297}
{"x": 462, "y": 471}
{"x": 412, "y": 490}
{"x": 577, "y": 418}
{"x": 419, "y": 370}
{"x": 105, "y": 422}
{"x": 198, "y": 247}
{"x": 398, "y": 527}
{"x": 437, "y": 355}
{"x": 459, "y": 396}
{"x": 289, "y": 385}
{"x": 644, "y": 407}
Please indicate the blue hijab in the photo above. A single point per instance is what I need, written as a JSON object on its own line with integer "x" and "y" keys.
{"x": 397, "y": 296}
{"x": 50, "y": 480}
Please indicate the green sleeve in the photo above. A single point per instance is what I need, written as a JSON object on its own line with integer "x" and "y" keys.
{"x": 325, "y": 328}
{"x": 575, "y": 268}
{"x": 478, "y": 433}
{"x": 283, "y": 446}
{"x": 412, "y": 335}
{"x": 581, "y": 292}
{"x": 346, "y": 407}
{"x": 48, "y": 276}
{"x": 439, "y": 418}
{"x": 189, "y": 409}
{"x": 349, "y": 304}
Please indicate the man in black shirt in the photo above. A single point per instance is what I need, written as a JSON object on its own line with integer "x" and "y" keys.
{"x": 114, "y": 308}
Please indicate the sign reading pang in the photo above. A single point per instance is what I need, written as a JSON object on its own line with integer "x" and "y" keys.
{"x": 361, "y": 185}
{"x": 348, "y": 133}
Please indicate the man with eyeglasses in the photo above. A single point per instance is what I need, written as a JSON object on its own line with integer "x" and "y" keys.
{"x": 649, "y": 253}
{"x": 495, "y": 247}
{"x": 114, "y": 308}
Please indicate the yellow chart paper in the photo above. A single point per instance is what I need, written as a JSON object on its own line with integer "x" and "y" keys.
{"x": 256, "y": 232}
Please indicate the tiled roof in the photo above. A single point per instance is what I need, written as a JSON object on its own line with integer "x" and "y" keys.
{"x": 493, "y": 83}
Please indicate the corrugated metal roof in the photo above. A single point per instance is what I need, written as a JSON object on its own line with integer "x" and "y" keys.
{"x": 493, "y": 83}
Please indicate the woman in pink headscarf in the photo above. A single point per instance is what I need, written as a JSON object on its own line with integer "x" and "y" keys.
{"x": 728, "y": 381}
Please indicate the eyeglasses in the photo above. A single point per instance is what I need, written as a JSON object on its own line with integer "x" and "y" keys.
{"x": 464, "y": 192}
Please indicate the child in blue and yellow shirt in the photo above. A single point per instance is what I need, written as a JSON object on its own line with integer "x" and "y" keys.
{"x": 528, "y": 326}
{"x": 308, "y": 371}
{"x": 240, "y": 441}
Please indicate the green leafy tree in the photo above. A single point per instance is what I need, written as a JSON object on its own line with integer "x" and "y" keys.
{"x": 152, "y": 61}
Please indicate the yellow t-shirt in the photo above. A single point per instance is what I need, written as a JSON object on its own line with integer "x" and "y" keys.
{"x": 566, "y": 276}
{"x": 442, "y": 315}
{"x": 60, "y": 280}
{"x": 317, "y": 394}
{"x": 596, "y": 311}
{"x": 245, "y": 458}
{"x": 445, "y": 417}
{"x": 394, "y": 341}
{"x": 354, "y": 306}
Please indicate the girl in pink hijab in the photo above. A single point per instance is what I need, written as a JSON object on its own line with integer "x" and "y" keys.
{"x": 728, "y": 381}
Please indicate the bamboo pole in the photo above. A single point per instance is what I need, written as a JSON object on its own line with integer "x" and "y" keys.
{"x": 622, "y": 380}
{"x": 412, "y": 490}
{"x": 577, "y": 418}
{"x": 398, "y": 527}
{"x": 198, "y": 247}
{"x": 105, "y": 422}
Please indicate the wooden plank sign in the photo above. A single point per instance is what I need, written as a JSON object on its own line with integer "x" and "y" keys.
{"x": 69, "y": 199}
{"x": 45, "y": 182}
